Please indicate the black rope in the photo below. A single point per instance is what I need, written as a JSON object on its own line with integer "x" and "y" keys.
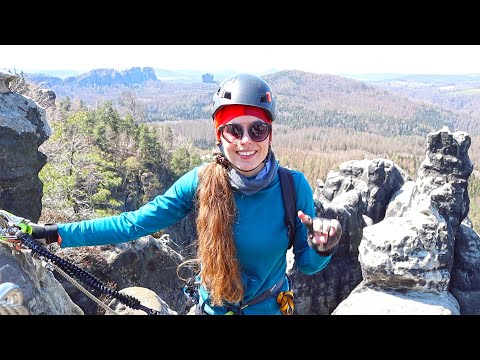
{"x": 81, "y": 275}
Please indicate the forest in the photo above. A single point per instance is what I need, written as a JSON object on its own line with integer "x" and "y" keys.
{"x": 114, "y": 148}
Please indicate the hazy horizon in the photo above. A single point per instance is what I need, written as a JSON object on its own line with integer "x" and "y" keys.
{"x": 320, "y": 59}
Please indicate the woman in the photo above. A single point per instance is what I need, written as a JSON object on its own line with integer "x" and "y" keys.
{"x": 242, "y": 241}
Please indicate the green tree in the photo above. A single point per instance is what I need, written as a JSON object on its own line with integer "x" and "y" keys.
{"x": 180, "y": 162}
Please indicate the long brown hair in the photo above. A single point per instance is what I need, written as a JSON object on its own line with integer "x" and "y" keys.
{"x": 216, "y": 251}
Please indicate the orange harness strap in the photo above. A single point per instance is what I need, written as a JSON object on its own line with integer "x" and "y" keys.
{"x": 285, "y": 299}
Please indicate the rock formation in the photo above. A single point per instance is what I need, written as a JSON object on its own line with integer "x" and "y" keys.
{"x": 357, "y": 195}
{"x": 23, "y": 128}
{"x": 410, "y": 253}
{"x": 42, "y": 293}
{"x": 147, "y": 298}
{"x": 465, "y": 275}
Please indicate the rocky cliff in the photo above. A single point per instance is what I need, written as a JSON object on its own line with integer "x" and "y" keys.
{"x": 23, "y": 128}
{"x": 407, "y": 257}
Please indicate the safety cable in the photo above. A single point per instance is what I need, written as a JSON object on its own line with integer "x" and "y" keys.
{"x": 81, "y": 275}
{"x": 83, "y": 290}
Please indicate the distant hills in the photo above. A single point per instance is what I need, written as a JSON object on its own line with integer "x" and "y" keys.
{"x": 424, "y": 79}
{"x": 307, "y": 99}
{"x": 304, "y": 99}
{"x": 189, "y": 76}
{"x": 112, "y": 76}
{"x": 99, "y": 77}
{"x": 455, "y": 92}
{"x": 194, "y": 76}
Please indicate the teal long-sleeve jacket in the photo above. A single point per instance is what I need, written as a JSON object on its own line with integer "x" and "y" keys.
{"x": 259, "y": 231}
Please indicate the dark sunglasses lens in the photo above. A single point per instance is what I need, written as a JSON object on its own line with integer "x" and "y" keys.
{"x": 232, "y": 132}
{"x": 258, "y": 131}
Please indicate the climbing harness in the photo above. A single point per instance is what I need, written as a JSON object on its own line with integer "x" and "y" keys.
{"x": 16, "y": 232}
{"x": 283, "y": 298}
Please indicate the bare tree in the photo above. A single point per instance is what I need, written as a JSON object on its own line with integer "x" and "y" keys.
{"x": 132, "y": 105}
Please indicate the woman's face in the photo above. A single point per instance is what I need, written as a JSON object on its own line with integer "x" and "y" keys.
{"x": 246, "y": 154}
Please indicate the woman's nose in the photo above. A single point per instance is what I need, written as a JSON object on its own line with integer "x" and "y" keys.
{"x": 245, "y": 137}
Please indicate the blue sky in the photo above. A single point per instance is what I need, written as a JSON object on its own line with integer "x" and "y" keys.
{"x": 331, "y": 59}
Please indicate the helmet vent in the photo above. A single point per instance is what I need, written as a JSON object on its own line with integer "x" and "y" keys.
{"x": 227, "y": 95}
{"x": 266, "y": 98}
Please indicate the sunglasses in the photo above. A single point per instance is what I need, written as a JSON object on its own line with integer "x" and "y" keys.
{"x": 233, "y": 133}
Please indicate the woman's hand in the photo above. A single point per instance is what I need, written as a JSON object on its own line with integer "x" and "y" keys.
{"x": 323, "y": 234}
